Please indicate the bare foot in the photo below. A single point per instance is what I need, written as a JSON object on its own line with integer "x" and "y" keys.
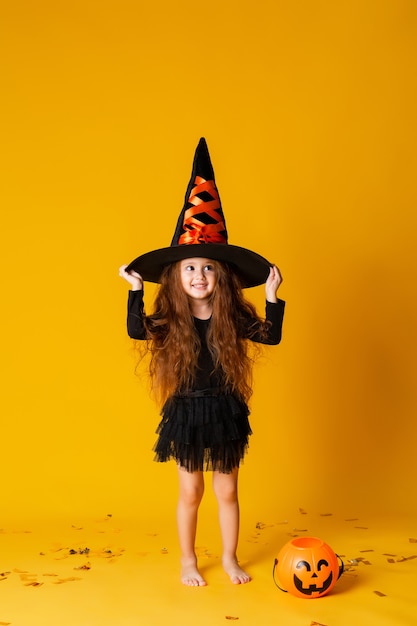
{"x": 236, "y": 573}
{"x": 190, "y": 576}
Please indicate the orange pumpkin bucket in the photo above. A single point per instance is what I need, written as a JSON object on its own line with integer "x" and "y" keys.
{"x": 307, "y": 567}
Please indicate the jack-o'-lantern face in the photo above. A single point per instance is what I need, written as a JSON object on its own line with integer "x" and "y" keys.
{"x": 311, "y": 579}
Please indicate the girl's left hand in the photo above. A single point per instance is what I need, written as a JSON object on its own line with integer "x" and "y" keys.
{"x": 272, "y": 283}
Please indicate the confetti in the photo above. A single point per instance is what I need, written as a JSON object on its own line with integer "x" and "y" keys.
{"x": 367, "y": 562}
{"x": 34, "y": 583}
{"x": 302, "y": 511}
{"x": 28, "y": 577}
{"x": 380, "y": 594}
{"x": 352, "y": 519}
{"x": 86, "y": 566}
{"x": 326, "y": 514}
{"x": 391, "y": 560}
{"x": 366, "y": 550}
{"x": 231, "y": 617}
{"x": 5, "y": 623}
{"x": 66, "y": 580}
{"x": 412, "y": 540}
{"x": 317, "y": 624}
{"x": 203, "y": 552}
{"x": 164, "y": 551}
{"x": 406, "y": 558}
{"x": 362, "y": 527}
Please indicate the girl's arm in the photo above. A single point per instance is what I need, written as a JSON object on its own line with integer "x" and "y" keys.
{"x": 133, "y": 278}
{"x": 135, "y": 315}
{"x": 135, "y": 309}
{"x": 274, "y": 312}
{"x": 272, "y": 283}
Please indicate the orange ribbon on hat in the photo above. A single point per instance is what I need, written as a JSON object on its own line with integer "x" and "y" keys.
{"x": 197, "y": 231}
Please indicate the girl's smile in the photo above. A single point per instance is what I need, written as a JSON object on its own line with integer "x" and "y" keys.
{"x": 198, "y": 278}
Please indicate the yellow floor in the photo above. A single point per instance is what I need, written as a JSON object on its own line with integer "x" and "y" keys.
{"x": 110, "y": 571}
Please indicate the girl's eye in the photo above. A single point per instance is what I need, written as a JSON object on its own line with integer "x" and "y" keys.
{"x": 208, "y": 268}
{"x": 189, "y": 268}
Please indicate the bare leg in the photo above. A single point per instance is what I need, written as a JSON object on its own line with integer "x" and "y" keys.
{"x": 191, "y": 489}
{"x": 225, "y": 489}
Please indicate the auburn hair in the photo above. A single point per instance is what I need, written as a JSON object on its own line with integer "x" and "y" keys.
{"x": 174, "y": 344}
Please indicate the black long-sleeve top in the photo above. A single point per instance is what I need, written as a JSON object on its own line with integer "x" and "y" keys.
{"x": 206, "y": 377}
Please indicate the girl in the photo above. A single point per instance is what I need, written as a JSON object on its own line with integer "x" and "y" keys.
{"x": 197, "y": 336}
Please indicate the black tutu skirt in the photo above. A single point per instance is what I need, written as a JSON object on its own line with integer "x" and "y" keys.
{"x": 204, "y": 431}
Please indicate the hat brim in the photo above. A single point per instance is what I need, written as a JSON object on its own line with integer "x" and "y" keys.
{"x": 252, "y": 268}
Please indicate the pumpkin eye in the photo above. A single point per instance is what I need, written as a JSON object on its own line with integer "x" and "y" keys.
{"x": 321, "y": 563}
{"x": 302, "y": 564}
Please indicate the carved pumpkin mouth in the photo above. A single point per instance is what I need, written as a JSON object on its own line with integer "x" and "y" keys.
{"x": 312, "y": 588}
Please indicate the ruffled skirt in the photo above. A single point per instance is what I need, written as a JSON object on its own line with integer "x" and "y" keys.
{"x": 204, "y": 432}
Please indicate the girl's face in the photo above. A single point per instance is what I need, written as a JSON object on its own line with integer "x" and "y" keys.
{"x": 198, "y": 278}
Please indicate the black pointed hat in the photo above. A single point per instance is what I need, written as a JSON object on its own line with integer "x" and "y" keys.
{"x": 201, "y": 232}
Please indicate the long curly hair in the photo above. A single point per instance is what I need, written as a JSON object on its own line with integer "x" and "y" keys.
{"x": 174, "y": 344}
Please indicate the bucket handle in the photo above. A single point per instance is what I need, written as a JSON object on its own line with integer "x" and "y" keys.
{"x": 341, "y": 567}
{"x": 273, "y": 576}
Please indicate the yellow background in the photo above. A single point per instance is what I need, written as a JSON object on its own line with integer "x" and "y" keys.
{"x": 309, "y": 113}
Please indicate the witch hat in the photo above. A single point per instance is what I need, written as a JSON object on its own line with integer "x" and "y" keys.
{"x": 201, "y": 232}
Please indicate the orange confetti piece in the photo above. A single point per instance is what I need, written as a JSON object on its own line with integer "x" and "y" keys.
{"x": 317, "y": 624}
{"x": 231, "y": 617}
{"x": 302, "y": 511}
{"x": 86, "y": 566}
{"x": 5, "y": 623}
{"x": 412, "y": 540}
{"x": 66, "y": 580}
{"x": 326, "y": 514}
{"x": 28, "y": 577}
{"x": 35, "y": 583}
{"x": 380, "y": 594}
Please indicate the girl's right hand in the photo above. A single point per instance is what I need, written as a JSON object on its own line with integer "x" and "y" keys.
{"x": 132, "y": 277}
